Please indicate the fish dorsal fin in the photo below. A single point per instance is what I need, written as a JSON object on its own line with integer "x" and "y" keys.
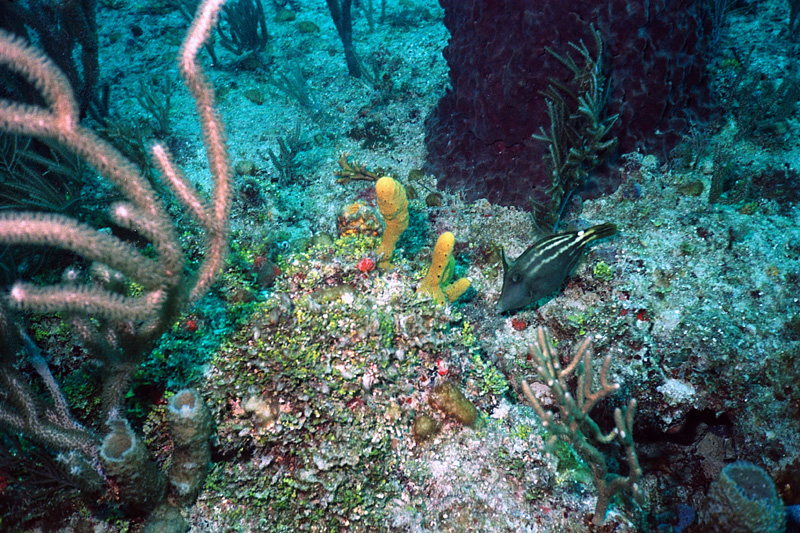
{"x": 503, "y": 257}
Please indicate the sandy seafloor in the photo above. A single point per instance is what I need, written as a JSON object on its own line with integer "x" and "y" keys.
{"x": 700, "y": 314}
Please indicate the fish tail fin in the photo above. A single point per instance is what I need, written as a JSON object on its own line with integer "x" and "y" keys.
{"x": 601, "y": 231}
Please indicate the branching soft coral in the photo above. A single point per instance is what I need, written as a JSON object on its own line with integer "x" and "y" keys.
{"x": 572, "y": 423}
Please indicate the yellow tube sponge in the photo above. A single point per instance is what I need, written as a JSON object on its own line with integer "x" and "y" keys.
{"x": 393, "y": 205}
{"x": 437, "y": 282}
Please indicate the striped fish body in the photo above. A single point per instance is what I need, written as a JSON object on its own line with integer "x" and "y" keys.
{"x": 542, "y": 268}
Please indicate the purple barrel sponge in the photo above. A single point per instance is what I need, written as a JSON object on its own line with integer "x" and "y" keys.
{"x": 479, "y": 135}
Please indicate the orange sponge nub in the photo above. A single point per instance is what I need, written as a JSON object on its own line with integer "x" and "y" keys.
{"x": 393, "y": 204}
{"x": 437, "y": 282}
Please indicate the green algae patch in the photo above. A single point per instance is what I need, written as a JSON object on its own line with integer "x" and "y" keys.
{"x": 449, "y": 399}
{"x": 315, "y": 391}
{"x": 306, "y": 26}
{"x": 425, "y": 428}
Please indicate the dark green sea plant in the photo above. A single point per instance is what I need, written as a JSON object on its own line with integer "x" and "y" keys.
{"x": 38, "y": 175}
{"x": 35, "y": 483}
{"x": 285, "y": 161}
{"x": 341, "y": 12}
{"x": 578, "y": 140}
{"x": 294, "y": 84}
{"x": 132, "y": 139}
{"x": 67, "y": 32}
{"x": 243, "y": 28}
{"x": 155, "y": 97}
{"x": 117, "y": 326}
{"x": 368, "y": 10}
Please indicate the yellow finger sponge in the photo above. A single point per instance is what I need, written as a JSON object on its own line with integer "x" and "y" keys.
{"x": 437, "y": 282}
{"x": 393, "y": 205}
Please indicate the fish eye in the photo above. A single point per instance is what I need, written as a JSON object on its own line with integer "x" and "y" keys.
{"x": 515, "y": 278}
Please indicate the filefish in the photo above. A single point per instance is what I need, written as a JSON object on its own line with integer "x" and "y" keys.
{"x": 542, "y": 268}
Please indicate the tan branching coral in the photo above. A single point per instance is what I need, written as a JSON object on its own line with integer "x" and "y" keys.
{"x": 571, "y": 422}
{"x": 353, "y": 170}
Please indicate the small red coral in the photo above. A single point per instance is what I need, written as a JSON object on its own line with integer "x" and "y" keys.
{"x": 518, "y": 324}
{"x": 366, "y": 265}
